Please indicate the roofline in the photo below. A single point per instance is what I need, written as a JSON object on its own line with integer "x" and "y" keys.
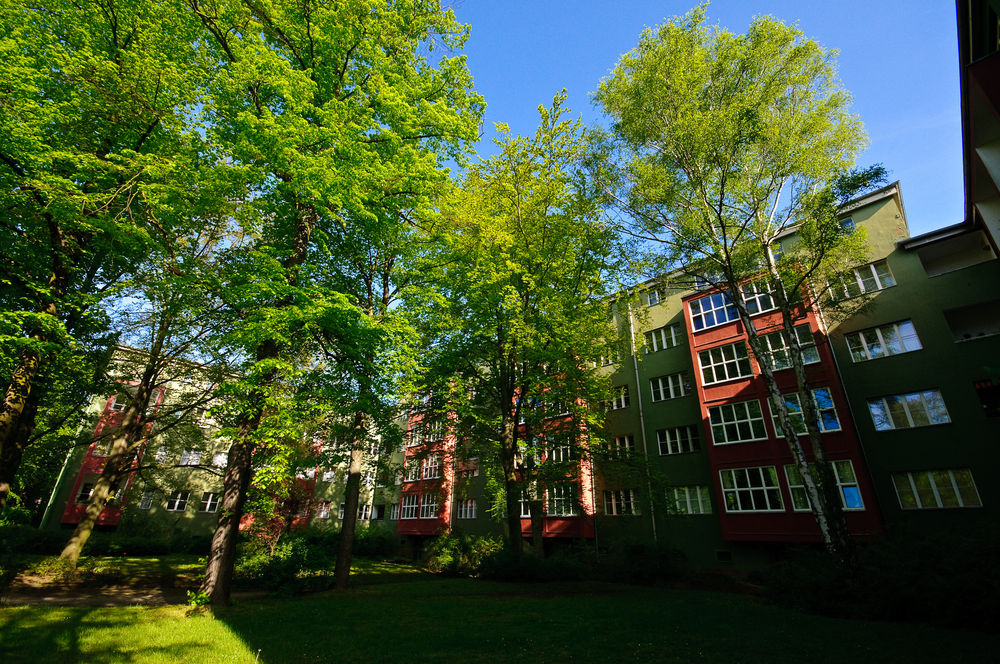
{"x": 936, "y": 235}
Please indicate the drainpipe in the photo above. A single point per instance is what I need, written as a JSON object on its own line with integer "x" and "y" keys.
{"x": 642, "y": 420}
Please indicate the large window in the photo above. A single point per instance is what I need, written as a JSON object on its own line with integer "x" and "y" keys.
{"x": 209, "y": 502}
{"x": 718, "y": 308}
{"x": 905, "y": 411}
{"x": 664, "y": 337}
{"x": 737, "y": 422}
{"x": 190, "y": 458}
{"x": 847, "y": 485}
{"x": 178, "y": 500}
{"x": 559, "y": 453}
{"x": 936, "y": 489}
{"x": 429, "y": 506}
{"x": 884, "y": 340}
{"x": 724, "y": 363}
{"x": 777, "y": 349}
{"x": 146, "y": 501}
{"x": 413, "y": 468}
{"x": 410, "y": 503}
{"x": 823, "y": 399}
{"x": 323, "y": 509}
{"x": 865, "y": 279}
{"x": 677, "y": 440}
{"x": 621, "y": 399}
{"x": 431, "y": 467}
{"x": 466, "y": 508}
{"x": 394, "y": 512}
{"x": 690, "y": 499}
{"x": 751, "y": 489}
{"x": 669, "y": 387}
{"x": 622, "y": 447}
{"x": 525, "y": 506}
{"x": 561, "y": 500}
{"x": 620, "y": 502}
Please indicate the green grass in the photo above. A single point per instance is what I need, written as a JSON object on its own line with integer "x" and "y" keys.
{"x": 427, "y": 619}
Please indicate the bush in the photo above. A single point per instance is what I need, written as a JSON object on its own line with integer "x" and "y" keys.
{"x": 945, "y": 579}
{"x": 641, "y": 565}
{"x": 502, "y": 566}
{"x": 460, "y": 555}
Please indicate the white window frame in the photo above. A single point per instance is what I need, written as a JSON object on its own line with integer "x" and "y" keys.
{"x": 178, "y": 500}
{"x": 711, "y": 311}
{"x": 190, "y": 458}
{"x": 668, "y": 336}
{"x": 413, "y": 469}
{"x": 146, "y": 501}
{"x": 465, "y": 509}
{"x": 161, "y": 455}
{"x": 329, "y": 476}
{"x": 691, "y": 500}
{"x": 394, "y": 512}
{"x": 863, "y": 348}
{"x": 794, "y": 405}
{"x": 411, "y": 505}
{"x": 942, "y": 484}
{"x": 724, "y": 363}
{"x": 323, "y": 509}
{"x": 622, "y": 446}
{"x": 210, "y": 502}
{"x": 843, "y": 474}
{"x": 365, "y": 512}
{"x": 620, "y": 502}
{"x": 429, "y": 506}
{"x": 759, "y": 486}
{"x": 671, "y": 386}
{"x": 525, "y": 506}
{"x": 431, "y": 467}
{"x": 737, "y": 415}
{"x": 621, "y": 400}
{"x": 654, "y": 296}
{"x": 220, "y": 459}
{"x": 778, "y": 353}
{"x": 927, "y": 400}
{"x": 863, "y": 279}
{"x": 678, "y": 440}
{"x": 561, "y": 500}
{"x": 559, "y": 453}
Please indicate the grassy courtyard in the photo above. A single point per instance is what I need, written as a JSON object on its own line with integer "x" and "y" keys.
{"x": 427, "y": 619}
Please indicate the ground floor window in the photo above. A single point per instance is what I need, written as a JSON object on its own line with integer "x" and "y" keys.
{"x": 936, "y": 489}
{"x": 751, "y": 489}
{"x": 561, "y": 501}
{"x": 620, "y": 502}
{"x": 209, "y": 502}
{"x": 847, "y": 485}
{"x": 177, "y": 502}
{"x": 466, "y": 509}
{"x": 429, "y": 506}
{"x": 690, "y": 499}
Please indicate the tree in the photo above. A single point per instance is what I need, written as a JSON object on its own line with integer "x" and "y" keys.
{"x": 94, "y": 105}
{"x": 729, "y": 144}
{"x": 520, "y": 308}
{"x": 325, "y": 109}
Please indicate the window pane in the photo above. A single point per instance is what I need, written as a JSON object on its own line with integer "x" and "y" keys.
{"x": 852, "y": 497}
{"x": 924, "y": 490}
{"x": 907, "y": 500}
{"x": 908, "y": 335}
{"x": 966, "y": 488}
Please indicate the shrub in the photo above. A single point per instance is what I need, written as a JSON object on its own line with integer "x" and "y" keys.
{"x": 460, "y": 555}
{"x": 502, "y": 566}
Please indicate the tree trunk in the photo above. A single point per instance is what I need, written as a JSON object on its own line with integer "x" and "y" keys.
{"x": 345, "y": 546}
{"x": 508, "y": 450}
{"x": 537, "y": 508}
{"x": 15, "y": 406}
{"x": 222, "y": 555}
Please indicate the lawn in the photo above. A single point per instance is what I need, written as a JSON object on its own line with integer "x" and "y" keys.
{"x": 428, "y": 619}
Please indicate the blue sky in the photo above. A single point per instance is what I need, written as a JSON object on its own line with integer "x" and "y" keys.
{"x": 898, "y": 59}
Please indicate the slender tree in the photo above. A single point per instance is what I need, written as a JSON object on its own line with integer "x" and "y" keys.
{"x": 726, "y": 146}
{"x": 521, "y": 306}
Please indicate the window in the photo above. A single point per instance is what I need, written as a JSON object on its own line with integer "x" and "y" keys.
{"x": 466, "y": 509}
{"x": 432, "y": 467}
{"x": 664, "y": 337}
{"x": 177, "y": 502}
{"x": 712, "y": 310}
{"x": 619, "y": 502}
{"x": 847, "y": 224}
{"x": 561, "y": 501}
{"x": 429, "y": 506}
{"x": 102, "y": 448}
{"x": 757, "y": 298}
{"x": 560, "y": 453}
{"x": 365, "y": 512}
{"x": 691, "y": 500}
{"x": 847, "y": 483}
{"x": 936, "y": 489}
{"x": 724, "y": 363}
{"x": 525, "y": 506}
{"x": 118, "y": 404}
{"x": 86, "y": 489}
{"x": 323, "y": 509}
{"x": 677, "y": 440}
{"x": 654, "y": 296}
{"x": 737, "y": 422}
{"x": 905, "y": 411}
{"x": 220, "y": 459}
{"x": 882, "y": 341}
{"x": 865, "y": 279}
{"x": 306, "y": 474}
{"x": 751, "y": 489}
{"x": 368, "y": 478}
{"x": 778, "y": 353}
{"x": 209, "y": 502}
{"x": 329, "y": 476}
{"x": 342, "y": 510}
{"x": 622, "y": 446}
{"x": 190, "y": 458}
{"x": 146, "y": 502}
{"x": 378, "y": 512}
{"x": 609, "y": 357}
{"x": 823, "y": 399}
{"x": 620, "y": 401}
{"x": 161, "y": 455}
{"x": 394, "y": 512}
{"x": 412, "y": 470}
{"x": 669, "y": 387}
